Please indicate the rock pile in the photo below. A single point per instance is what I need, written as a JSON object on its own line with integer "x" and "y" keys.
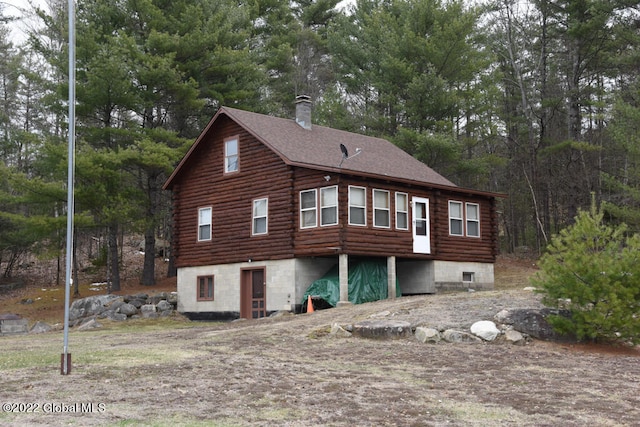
{"x": 515, "y": 326}
{"x": 120, "y": 308}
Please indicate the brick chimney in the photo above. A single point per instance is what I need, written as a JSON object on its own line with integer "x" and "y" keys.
{"x": 303, "y": 111}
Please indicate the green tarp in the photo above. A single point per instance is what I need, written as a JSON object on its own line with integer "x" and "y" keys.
{"x": 367, "y": 283}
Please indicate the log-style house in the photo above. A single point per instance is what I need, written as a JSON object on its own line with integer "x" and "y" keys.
{"x": 263, "y": 206}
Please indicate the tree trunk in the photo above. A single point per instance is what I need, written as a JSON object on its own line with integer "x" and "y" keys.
{"x": 113, "y": 264}
{"x": 148, "y": 271}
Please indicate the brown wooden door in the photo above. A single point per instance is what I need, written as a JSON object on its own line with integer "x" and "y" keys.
{"x": 253, "y": 296}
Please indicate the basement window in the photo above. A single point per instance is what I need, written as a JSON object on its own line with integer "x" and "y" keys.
{"x": 205, "y": 288}
{"x": 468, "y": 276}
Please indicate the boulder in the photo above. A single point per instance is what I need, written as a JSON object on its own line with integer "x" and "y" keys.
{"x": 116, "y": 305}
{"x": 14, "y": 326}
{"x": 532, "y": 322}
{"x": 164, "y": 305}
{"x": 137, "y": 303}
{"x": 453, "y": 336}
{"x": 339, "y": 332}
{"x": 382, "y": 329}
{"x": 155, "y": 299}
{"x": 141, "y": 295}
{"x": 173, "y": 298}
{"x": 485, "y": 329}
{"x": 128, "y": 309}
{"x": 40, "y": 327}
{"x": 149, "y": 311}
{"x": 427, "y": 335}
{"x": 91, "y": 306}
{"x": 89, "y": 324}
{"x": 116, "y": 316}
{"x": 514, "y": 337}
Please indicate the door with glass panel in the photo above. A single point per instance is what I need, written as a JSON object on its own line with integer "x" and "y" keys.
{"x": 421, "y": 234}
{"x": 253, "y": 298}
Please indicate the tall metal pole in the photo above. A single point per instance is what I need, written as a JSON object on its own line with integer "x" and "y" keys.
{"x": 66, "y": 356}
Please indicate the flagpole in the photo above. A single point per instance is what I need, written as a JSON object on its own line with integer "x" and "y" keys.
{"x": 66, "y": 356}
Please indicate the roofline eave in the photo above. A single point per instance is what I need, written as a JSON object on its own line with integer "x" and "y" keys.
{"x": 416, "y": 183}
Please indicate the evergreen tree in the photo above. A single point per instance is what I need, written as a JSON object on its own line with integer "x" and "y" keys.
{"x": 593, "y": 267}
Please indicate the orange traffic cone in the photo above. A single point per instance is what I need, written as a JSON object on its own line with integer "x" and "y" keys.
{"x": 309, "y": 305}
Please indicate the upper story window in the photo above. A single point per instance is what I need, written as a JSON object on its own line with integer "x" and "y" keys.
{"x": 329, "y": 205}
{"x": 464, "y": 219}
{"x": 473, "y": 219}
{"x": 260, "y": 216}
{"x": 381, "y": 209}
{"x": 231, "y": 155}
{"x": 204, "y": 224}
{"x": 308, "y": 209}
{"x": 357, "y": 206}
{"x": 402, "y": 211}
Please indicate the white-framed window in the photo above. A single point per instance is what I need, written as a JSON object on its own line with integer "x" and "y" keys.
{"x": 231, "y": 155}
{"x": 473, "y": 219}
{"x": 308, "y": 209}
{"x": 260, "y": 216}
{"x": 402, "y": 211}
{"x": 329, "y": 206}
{"x": 357, "y": 206}
{"x": 381, "y": 209}
{"x": 204, "y": 224}
{"x": 455, "y": 219}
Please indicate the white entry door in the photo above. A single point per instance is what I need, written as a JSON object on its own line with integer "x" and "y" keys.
{"x": 421, "y": 235}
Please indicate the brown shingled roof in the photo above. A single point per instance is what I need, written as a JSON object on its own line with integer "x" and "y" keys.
{"x": 319, "y": 148}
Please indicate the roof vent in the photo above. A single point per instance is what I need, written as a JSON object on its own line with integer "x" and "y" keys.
{"x": 303, "y": 111}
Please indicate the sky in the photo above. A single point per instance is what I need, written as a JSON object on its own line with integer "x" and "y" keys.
{"x": 20, "y": 9}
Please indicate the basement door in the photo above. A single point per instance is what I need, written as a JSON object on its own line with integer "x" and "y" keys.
{"x": 421, "y": 237}
{"x": 253, "y": 298}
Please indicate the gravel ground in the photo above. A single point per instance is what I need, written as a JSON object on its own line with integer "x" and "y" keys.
{"x": 289, "y": 371}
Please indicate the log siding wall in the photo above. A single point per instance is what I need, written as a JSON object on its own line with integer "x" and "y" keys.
{"x": 263, "y": 174}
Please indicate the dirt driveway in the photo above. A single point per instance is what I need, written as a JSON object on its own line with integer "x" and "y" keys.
{"x": 289, "y": 371}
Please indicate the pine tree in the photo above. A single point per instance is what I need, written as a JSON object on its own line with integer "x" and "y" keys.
{"x": 593, "y": 268}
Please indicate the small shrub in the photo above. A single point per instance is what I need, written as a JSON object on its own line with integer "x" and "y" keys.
{"x": 594, "y": 270}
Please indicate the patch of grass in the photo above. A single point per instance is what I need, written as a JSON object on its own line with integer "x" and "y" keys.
{"x": 95, "y": 347}
{"x": 320, "y": 332}
{"x": 27, "y": 352}
{"x": 177, "y": 420}
{"x": 480, "y": 414}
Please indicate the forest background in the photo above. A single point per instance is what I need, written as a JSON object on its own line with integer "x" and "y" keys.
{"x": 539, "y": 100}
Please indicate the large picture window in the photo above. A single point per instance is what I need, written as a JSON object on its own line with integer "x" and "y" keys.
{"x": 205, "y": 288}
{"x": 329, "y": 206}
{"x": 308, "y": 209}
{"x": 402, "y": 211}
{"x": 231, "y": 155}
{"x": 381, "y": 209}
{"x": 204, "y": 224}
{"x": 357, "y": 206}
{"x": 260, "y": 216}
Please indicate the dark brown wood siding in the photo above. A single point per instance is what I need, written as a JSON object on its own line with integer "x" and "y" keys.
{"x": 262, "y": 174}
{"x": 464, "y": 248}
{"x": 375, "y": 241}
